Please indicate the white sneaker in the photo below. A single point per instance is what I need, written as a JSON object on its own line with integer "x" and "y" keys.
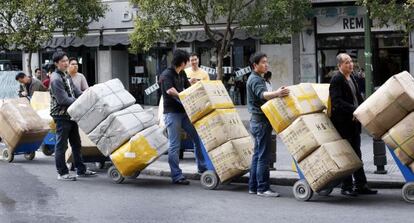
{"x": 268, "y": 193}
{"x": 252, "y": 192}
{"x": 87, "y": 173}
{"x": 66, "y": 177}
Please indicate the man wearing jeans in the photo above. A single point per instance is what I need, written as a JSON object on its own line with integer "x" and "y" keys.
{"x": 63, "y": 93}
{"x": 173, "y": 80}
{"x": 260, "y": 127}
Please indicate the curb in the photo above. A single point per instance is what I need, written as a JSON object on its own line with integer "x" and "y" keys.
{"x": 282, "y": 181}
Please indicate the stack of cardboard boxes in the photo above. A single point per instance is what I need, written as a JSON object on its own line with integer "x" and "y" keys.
{"x": 226, "y": 140}
{"x": 310, "y": 136}
{"x": 107, "y": 113}
{"x": 388, "y": 114}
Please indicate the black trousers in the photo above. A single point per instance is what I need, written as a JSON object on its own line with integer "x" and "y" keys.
{"x": 359, "y": 175}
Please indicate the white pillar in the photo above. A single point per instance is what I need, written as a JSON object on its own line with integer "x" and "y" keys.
{"x": 104, "y": 66}
{"x": 25, "y": 61}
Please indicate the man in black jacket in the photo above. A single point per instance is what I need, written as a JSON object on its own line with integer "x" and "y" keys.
{"x": 346, "y": 97}
{"x": 63, "y": 93}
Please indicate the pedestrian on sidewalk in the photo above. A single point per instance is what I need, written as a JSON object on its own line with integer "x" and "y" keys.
{"x": 173, "y": 80}
{"x": 78, "y": 79}
{"x": 63, "y": 93}
{"x": 345, "y": 98}
{"x": 28, "y": 85}
{"x": 194, "y": 72}
{"x": 257, "y": 95}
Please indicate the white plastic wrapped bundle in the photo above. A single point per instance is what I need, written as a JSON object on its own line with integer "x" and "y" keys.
{"x": 98, "y": 102}
{"x": 120, "y": 126}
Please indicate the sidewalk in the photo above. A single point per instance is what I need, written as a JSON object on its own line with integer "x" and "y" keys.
{"x": 283, "y": 175}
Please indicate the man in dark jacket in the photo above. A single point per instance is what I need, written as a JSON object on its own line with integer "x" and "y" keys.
{"x": 346, "y": 97}
{"x": 28, "y": 85}
{"x": 63, "y": 94}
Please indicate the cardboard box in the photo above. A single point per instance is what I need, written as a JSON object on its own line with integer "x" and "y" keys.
{"x": 88, "y": 149}
{"x": 302, "y": 100}
{"x": 388, "y": 105}
{"x": 403, "y": 157}
{"x": 98, "y": 102}
{"x": 307, "y": 133}
{"x": 19, "y": 124}
{"x": 232, "y": 158}
{"x": 330, "y": 162}
{"x": 143, "y": 149}
{"x": 203, "y": 97}
{"x": 120, "y": 126}
{"x": 219, "y": 127}
{"x": 402, "y": 135}
{"x": 322, "y": 90}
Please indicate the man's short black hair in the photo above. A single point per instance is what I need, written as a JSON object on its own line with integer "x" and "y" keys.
{"x": 194, "y": 54}
{"x": 180, "y": 57}
{"x": 73, "y": 58}
{"x": 255, "y": 58}
{"x": 57, "y": 56}
{"x": 20, "y": 75}
{"x": 37, "y": 70}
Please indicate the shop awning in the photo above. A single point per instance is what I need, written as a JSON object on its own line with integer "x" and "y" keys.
{"x": 190, "y": 36}
{"x": 67, "y": 41}
{"x": 115, "y": 39}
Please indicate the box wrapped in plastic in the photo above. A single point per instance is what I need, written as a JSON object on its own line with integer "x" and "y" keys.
{"x": 219, "y": 127}
{"x": 203, "y": 97}
{"x": 98, "y": 102}
{"x": 302, "y": 100}
{"x": 40, "y": 102}
{"x": 330, "y": 162}
{"x": 307, "y": 133}
{"x": 143, "y": 149}
{"x": 120, "y": 126}
{"x": 233, "y": 158}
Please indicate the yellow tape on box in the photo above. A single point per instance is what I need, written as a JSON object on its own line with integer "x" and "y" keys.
{"x": 203, "y": 97}
{"x": 302, "y": 99}
{"x": 144, "y": 148}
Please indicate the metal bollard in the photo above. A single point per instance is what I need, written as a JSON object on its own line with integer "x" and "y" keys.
{"x": 380, "y": 156}
{"x": 273, "y": 153}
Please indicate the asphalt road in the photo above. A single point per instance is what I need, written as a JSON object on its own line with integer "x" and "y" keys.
{"x": 30, "y": 192}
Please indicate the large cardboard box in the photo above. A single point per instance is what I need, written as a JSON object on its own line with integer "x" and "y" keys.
{"x": 388, "y": 105}
{"x": 307, "y": 133}
{"x": 330, "y": 162}
{"x": 120, "y": 126}
{"x": 203, "y": 97}
{"x": 40, "y": 102}
{"x": 19, "y": 124}
{"x": 98, "y": 102}
{"x": 143, "y": 149}
{"x": 302, "y": 99}
{"x": 402, "y": 135}
{"x": 219, "y": 127}
{"x": 232, "y": 158}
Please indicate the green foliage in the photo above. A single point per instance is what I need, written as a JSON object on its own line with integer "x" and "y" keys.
{"x": 395, "y": 11}
{"x": 27, "y": 24}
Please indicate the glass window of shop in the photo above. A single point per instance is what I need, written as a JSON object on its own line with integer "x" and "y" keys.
{"x": 86, "y": 60}
{"x": 11, "y": 60}
{"x": 390, "y": 55}
{"x": 144, "y": 71}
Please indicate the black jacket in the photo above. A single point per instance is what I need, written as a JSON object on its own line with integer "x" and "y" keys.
{"x": 63, "y": 93}
{"x": 343, "y": 106}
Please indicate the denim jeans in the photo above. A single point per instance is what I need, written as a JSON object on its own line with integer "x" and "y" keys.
{"x": 175, "y": 122}
{"x": 68, "y": 130}
{"x": 259, "y": 172}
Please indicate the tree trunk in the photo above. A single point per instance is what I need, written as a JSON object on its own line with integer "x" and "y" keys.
{"x": 220, "y": 55}
{"x": 29, "y": 63}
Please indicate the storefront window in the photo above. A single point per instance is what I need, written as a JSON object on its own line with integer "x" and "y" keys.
{"x": 11, "y": 60}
